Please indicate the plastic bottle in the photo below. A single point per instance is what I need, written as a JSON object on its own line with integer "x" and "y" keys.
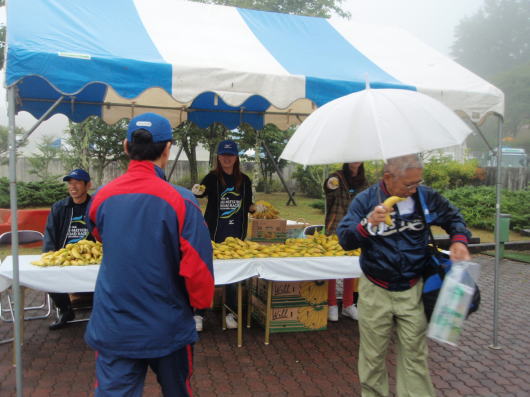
{"x": 453, "y": 302}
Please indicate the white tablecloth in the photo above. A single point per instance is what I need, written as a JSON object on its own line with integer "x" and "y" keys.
{"x": 83, "y": 278}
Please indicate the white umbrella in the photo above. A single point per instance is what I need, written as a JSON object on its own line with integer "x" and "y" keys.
{"x": 374, "y": 124}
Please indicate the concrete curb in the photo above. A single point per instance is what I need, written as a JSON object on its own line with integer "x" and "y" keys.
{"x": 511, "y": 245}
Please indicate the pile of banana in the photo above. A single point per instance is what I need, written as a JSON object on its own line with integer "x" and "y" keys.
{"x": 84, "y": 252}
{"x": 265, "y": 210}
{"x": 316, "y": 245}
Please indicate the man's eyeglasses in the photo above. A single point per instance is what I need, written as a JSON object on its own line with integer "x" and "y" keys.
{"x": 414, "y": 185}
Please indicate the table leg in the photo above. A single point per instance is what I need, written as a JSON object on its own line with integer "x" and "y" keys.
{"x": 268, "y": 312}
{"x": 239, "y": 314}
{"x": 249, "y": 302}
{"x": 223, "y": 308}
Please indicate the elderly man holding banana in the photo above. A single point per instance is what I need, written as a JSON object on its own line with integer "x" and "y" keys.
{"x": 386, "y": 221}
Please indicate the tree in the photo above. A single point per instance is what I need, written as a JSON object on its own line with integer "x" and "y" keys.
{"x": 4, "y": 143}
{"x": 515, "y": 84}
{"x": 40, "y": 162}
{"x": 314, "y": 8}
{"x": 495, "y": 39}
{"x": 189, "y": 136}
{"x": 275, "y": 140}
{"x": 95, "y": 143}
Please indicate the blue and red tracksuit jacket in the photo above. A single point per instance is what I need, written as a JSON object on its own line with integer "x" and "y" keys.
{"x": 156, "y": 267}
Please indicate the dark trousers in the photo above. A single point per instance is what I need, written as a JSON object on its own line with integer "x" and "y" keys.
{"x": 61, "y": 301}
{"x": 124, "y": 377}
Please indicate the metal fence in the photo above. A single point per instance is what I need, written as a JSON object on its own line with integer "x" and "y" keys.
{"x": 180, "y": 176}
{"x": 511, "y": 178}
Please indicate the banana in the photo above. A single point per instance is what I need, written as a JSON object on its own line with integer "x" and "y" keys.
{"x": 317, "y": 245}
{"x": 75, "y": 253}
{"x": 83, "y": 252}
{"x": 389, "y": 204}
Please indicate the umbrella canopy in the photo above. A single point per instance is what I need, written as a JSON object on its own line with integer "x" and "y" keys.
{"x": 374, "y": 124}
{"x": 207, "y": 63}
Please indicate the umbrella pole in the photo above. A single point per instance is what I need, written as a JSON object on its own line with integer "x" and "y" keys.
{"x": 14, "y": 237}
{"x": 496, "y": 280}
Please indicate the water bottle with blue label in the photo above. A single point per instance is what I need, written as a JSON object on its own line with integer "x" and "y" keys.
{"x": 453, "y": 302}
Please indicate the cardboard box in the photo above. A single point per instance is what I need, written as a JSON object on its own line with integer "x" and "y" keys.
{"x": 268, "y": 230}
{"x": 292, "y": 293}
{"x": 291, "y": 319}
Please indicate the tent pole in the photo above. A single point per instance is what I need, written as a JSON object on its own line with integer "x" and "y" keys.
{"x": 14, "y": 236}
{"x": 42, "y": 118}
{"x": 279, "y": 172}
{"x": 479, "y": 131}
{"x": 496, "y": 276}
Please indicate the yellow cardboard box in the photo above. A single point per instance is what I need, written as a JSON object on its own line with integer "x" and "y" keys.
{"x": 291, "y": 319}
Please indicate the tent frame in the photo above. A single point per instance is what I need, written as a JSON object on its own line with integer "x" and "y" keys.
{"x": 11, "y": 102}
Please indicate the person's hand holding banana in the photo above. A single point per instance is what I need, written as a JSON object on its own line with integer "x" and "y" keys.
{"x": 198, "y": 189}
{"x": 381, "y": 213}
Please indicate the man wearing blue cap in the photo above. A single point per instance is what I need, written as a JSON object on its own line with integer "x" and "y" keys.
{"x": 66, "y": 225}
{"x": 157, "y": 267}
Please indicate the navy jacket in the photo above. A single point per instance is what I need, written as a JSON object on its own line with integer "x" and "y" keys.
{"x": 157, "y": 265}
{"x": 395, "y": 258}
{"x": 58, "y": 223}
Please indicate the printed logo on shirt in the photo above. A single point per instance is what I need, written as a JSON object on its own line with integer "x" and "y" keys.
{"x": 230, "y": 203}
{"x": 77, "y": 231}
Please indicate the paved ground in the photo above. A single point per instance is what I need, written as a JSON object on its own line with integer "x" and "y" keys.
{"x": 303, "y": 364}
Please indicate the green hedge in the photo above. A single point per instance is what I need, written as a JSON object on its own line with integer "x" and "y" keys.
{"x": 477, "y": 204}
{"x": 33, "y": 194}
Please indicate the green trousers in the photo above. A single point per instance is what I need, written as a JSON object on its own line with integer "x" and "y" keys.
{"x": 380, "y": 311}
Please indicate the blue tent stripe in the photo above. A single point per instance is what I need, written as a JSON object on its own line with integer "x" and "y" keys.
{"x": 321, "y": 91}
{"x": 311, "y": 47}
{"x": 205, "y": 110}
{"x": 36, "y": 96}
{"x": 119, "y": 50}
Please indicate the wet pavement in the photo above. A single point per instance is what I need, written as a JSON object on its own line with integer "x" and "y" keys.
{"x": 59, "y": 363}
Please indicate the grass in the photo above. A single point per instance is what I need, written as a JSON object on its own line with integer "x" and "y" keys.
{"x": 302, "y": 211}
{"x": 315, "y": 217}
{"x": 521, "y": 256}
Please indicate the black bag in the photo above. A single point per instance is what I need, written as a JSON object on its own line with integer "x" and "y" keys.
{"x": 435, "y": 273}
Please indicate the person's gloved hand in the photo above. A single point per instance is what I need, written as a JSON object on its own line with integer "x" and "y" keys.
{"x": 198, "y": 189}
{"x": 333, "y": 183}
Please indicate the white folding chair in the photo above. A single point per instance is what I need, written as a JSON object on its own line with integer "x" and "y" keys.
{"x": 7, "y": 313}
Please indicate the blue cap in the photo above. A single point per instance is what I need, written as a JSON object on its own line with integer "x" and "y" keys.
{"x": 227, "y": 147}
{"x": 157, "y": 125}
{"x": 78, "y": 174}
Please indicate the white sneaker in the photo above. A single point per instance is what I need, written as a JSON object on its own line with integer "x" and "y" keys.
{"x": 351, "y": 312}
{"x": 333, "y": 313}
{"x": 231, "y": 322}
{"x": 198, "y": 323}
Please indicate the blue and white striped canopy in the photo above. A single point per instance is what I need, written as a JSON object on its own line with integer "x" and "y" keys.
{"x": 206, "y": 63}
